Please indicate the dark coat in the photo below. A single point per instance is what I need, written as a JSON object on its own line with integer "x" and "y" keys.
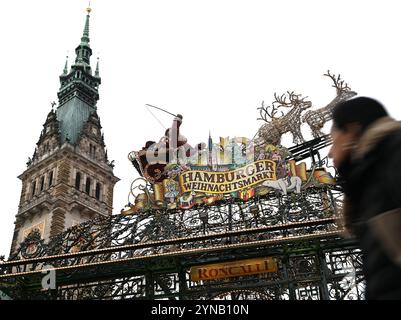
{"x": 373, "y": 206}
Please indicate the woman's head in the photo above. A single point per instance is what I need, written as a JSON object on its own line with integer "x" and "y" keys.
{"x": 350, "y": 119}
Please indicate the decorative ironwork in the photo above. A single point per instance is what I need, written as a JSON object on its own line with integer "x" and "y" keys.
{"x": 32, "y": 246}
{"x": 148, "y": 254}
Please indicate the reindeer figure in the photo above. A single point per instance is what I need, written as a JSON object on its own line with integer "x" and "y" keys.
{"x": 276, "y": 126}
{"x": 317, "y": 118}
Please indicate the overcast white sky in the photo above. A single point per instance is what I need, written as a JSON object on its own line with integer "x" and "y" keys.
{"x": 213, "y": 61}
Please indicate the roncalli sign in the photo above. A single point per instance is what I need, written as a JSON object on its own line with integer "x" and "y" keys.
{"x": 233, "y": 269}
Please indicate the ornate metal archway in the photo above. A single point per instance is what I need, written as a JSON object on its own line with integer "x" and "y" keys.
{"x": 149, "y": 255}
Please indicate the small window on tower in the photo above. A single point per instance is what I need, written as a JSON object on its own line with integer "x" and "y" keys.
{"x": 50, "y": 178}
{"x": 92, "y": 151}
{"x": 77, "y": 180}
{"x": 98, "y": 190}
{"x": 88, "y": 185}
{"x": 33, "y": 188}
{"x": 42, "y": 183}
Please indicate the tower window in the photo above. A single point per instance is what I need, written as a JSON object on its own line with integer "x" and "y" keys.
{"x": 98, "y": 190}
{"x": 50, "y": 178}
{"x": 46, "y": 147}
{"x": 77, "y": 180}
{"x": 88, "y": 185}
{"x": 42, "y": 183}
{"x": 92, "y": 151}
{"x": 33, "y": 188}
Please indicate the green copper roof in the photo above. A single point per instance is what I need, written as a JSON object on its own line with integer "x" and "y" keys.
{"x": 78, "y": 93}
{"x": 65, "y": 71}
{"x": 83, "y": 51}
{"x": 72, "y": 116}
{"x": 85, "y": 37}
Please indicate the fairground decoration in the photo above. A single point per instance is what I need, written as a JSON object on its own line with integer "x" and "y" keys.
{"x": 178, "y": 175}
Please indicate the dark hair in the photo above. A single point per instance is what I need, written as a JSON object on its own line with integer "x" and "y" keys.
{"x": 361, "y": 110}
{"x": 149, "y": 144}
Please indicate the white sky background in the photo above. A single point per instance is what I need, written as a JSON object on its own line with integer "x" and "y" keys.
{"x": 213, "y": 61}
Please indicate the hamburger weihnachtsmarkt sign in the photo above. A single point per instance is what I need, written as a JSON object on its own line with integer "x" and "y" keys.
{"x": 178, "y": 175}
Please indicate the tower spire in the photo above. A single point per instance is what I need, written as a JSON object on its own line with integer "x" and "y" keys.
{"x": 79, "y": 90}
{"x": 210, "y": 153}
{"x": 83, "y": 51}
{"x": 97, "y": 68}
{"x": 85, "y": 36}
{"x": 65, "y": 71}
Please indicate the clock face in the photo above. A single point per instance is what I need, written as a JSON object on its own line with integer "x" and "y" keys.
{"x": 94, "y": 130}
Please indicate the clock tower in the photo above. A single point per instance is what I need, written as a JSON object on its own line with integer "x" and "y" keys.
{"x": 69, "y": 178}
